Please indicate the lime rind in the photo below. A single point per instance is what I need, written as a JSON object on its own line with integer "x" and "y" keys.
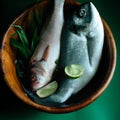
{"x": 47, "y": 90}
{"x": 74, "y": 70}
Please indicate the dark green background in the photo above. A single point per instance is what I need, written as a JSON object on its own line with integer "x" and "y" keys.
{"x": 106, "y": 107}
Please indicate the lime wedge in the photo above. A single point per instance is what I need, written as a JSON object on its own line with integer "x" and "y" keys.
{"x": 74, "y": 70}
{"x": 47, "y": 90}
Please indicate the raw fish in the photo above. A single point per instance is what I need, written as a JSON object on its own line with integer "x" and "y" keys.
{"x": 81, "y": 43}
{"x": 42, "y": 63}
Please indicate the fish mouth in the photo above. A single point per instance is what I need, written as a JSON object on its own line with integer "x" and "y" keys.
{"x": 95, "y": 17}
{"x": 35, "y": 85}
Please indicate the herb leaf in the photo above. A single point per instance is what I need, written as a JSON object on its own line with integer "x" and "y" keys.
{"x": 57, "y": 61}
{"x": 23, "y": 50}
{"x": 22, "y": 35}
{"x": 38, "y": 18}
{"x": 19, "y": 67}
{"x": 27, "y": 39}
{"x": 34, "y": 41}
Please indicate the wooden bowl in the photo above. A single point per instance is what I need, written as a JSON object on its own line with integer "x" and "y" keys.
{"x": 87, "y": 95}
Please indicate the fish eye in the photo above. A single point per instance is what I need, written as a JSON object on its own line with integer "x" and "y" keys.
{"x": 82, "y": 13}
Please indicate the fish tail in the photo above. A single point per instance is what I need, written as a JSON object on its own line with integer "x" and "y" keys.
{"x": 59, "y": 2}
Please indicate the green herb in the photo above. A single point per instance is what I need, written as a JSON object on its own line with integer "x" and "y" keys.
{"x": 23, "y": 49}
{"x": 38, "y": 0}
{"x": 19, "y": 67}
{"x": 27, "y": 40}
{"x": 38, "y": 18}
{"x": 57, "y": 62}
{"x": 34, "y": 41}
{"x": 22, "y": 35}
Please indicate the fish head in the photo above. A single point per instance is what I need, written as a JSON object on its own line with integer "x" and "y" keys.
{"x": 36, "y": 79}
{"x": 85, "y": 18}
{"x": 38, "y": 75}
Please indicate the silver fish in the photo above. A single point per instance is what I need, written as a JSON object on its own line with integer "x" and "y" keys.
{"x": 48, "y": 49}
{"x": 82, "y": 43}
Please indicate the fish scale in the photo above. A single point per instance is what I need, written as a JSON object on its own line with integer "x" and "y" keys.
{"x": 49, "y": 43}
{"x": 82, "y": 40}
{"x": 82, "y": 45}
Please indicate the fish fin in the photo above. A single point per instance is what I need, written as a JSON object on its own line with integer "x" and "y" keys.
{"x": 46, "y": 53}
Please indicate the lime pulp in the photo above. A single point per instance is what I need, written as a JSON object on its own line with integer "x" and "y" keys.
{"x": 47, "y": 90}
{"x": 74, "y": 70}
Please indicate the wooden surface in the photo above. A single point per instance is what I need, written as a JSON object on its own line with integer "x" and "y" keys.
{"x": 92, "y": 91}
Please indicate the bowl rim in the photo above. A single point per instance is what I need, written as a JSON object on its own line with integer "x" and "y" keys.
{"x": 76, "y": 106}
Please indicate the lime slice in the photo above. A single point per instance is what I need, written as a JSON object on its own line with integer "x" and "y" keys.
{"x": 74, "y": 70}
{"x": 47, "y": 90}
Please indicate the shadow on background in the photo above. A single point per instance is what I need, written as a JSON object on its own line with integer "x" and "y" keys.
{"x": 9, "y": 102}
{"x": 9, "y": 10}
